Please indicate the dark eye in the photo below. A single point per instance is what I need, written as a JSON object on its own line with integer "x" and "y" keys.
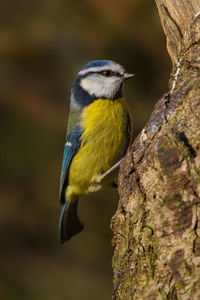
{"x": 106, "y": 73}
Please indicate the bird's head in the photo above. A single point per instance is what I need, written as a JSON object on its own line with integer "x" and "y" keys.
{"x": 98, "y": 79}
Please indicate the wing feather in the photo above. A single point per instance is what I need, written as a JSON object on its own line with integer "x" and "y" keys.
{"x": 71, "y": 147}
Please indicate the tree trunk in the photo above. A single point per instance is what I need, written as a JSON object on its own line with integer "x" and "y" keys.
{"x": 156, "y": 226}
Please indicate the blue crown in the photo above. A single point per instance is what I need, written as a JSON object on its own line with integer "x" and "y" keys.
{"x": 95, "y": 63}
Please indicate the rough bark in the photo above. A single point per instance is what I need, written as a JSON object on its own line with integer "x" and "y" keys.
{"x": 157, "y": 223}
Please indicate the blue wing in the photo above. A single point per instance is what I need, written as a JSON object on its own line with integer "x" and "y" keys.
{"x": 72, "y": 146}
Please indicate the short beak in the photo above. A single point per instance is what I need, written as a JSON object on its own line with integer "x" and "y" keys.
{"x": 128, "y": 75}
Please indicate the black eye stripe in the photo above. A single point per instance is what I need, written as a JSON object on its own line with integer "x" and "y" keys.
{"x": 109, "y": 73}
{"x": 106, "y": 73}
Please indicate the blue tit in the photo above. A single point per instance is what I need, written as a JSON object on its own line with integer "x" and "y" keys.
{"x": 98, "y": 135}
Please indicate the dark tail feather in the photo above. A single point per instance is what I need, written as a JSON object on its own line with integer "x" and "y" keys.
{"x": 69, "y": 223}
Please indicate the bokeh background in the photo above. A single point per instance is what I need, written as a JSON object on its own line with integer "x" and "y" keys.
{"x": 43, "y": 43}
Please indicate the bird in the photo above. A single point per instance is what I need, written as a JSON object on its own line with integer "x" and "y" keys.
{"x": 99, "y": 132}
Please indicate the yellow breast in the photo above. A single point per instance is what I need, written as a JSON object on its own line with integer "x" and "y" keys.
{"x": 104, "y": 141}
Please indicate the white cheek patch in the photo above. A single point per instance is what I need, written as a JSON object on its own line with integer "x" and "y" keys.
{"x": 99, "y": 86}
{"x": 86, "y": 84}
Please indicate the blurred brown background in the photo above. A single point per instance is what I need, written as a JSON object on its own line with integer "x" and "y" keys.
{"x": 43, "y": 44}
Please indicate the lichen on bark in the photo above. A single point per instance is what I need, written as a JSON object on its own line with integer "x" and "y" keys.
{"x": 156, "y": 226}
